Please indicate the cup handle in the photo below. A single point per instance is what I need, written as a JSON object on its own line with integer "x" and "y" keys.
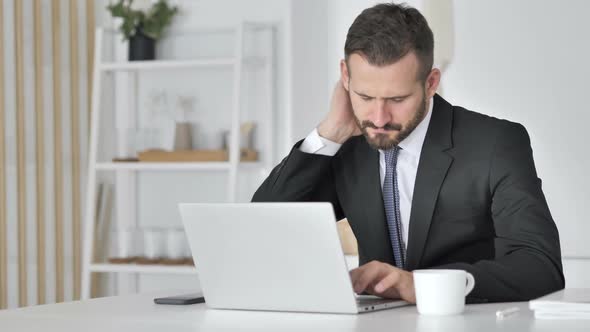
{"x": 470, "y": 283}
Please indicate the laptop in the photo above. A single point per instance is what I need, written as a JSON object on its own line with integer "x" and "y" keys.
{"x": 273, "y": 256}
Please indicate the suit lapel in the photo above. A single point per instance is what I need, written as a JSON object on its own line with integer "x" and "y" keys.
{"x": 432, "y": 169}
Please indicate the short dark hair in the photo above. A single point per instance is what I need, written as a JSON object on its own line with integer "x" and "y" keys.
{"x": 386, "y": 32}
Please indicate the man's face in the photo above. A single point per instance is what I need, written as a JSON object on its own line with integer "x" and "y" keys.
{"x": 389, "y": 101}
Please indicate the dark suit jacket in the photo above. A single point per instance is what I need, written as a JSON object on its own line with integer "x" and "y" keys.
{"x": 477, "y": 204}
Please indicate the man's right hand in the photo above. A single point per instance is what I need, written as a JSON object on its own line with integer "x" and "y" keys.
{"x": 340, "y": 124}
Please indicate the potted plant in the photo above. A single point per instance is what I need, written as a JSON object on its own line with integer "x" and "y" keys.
{"x": 143, "y": 23}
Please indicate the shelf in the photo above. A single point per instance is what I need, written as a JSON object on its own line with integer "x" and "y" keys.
{"x": 136, "y": 268}
{"x": 178, "y": 64}
{"x": 174, "y": 166}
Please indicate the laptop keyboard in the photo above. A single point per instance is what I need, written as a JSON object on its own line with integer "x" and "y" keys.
{"x": 365, "y": 301}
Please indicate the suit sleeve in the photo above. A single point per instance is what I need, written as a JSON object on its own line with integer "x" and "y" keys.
{"x": 301, "y": 177}
{"x": 528, "y": 257}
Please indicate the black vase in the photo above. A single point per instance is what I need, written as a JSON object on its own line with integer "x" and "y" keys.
{"x": 141, "y": 47}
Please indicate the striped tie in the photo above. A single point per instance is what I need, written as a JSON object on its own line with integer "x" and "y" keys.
{"x": 391, "y": 203}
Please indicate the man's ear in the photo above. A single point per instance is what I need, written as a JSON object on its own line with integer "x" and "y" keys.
{"x": 344, "y": 75}
{"x": 432, "y": 82}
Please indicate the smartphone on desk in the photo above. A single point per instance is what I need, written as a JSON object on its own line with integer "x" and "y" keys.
{"x": 181, "y": 299}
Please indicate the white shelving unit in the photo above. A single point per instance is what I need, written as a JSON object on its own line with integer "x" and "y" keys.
{"x": 127, "y": 170}
{"x": 182, "y": 64}
{"x": 187, "y": 166}
{"x": 136, "y": 268}
{"x": 166, "y": 64}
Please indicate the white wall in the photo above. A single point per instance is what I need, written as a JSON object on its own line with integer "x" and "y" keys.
{"x": 520, "y": 60}
{"x": 310, "y": 95}
{"x": 319, "y": 31}
{"x": 526, "y": 61}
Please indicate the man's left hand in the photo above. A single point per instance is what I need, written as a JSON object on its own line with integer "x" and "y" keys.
{"x": 384, "y": 280}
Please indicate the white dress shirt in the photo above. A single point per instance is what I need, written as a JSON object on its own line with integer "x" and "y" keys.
{"x": 407, "y": 163}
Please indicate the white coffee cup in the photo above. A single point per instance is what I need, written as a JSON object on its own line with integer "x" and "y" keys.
{"x": 442, "y": 292}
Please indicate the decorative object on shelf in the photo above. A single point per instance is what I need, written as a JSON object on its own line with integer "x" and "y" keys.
{"x": 123, "y": 248}
{"x": 224, "y": 134}
{"x": 183, "y": 138}
{"x": 194, "y": 155}
{"x": 104, "y": 204}
{"x": 158, "y": 109}
{"x": 150, "y": 246}
{"x": 247, "y": 133}
{"x": 143, "y": 24}
{"x": 177, "y": 249}
{"x": 182, "y": 114}
{"x": 142, "y": 47}
{"x": 247, "y": 130}
{"x": 157, "y": 104}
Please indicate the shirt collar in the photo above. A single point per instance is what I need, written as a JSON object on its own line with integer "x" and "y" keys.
{"x": 413, "y": 143}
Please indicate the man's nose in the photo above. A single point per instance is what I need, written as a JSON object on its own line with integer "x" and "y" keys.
{"x": 381, "y": 116}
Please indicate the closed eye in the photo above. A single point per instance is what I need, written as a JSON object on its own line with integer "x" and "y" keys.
{"x": 364, "y": 96}
{"x": 397, "y": 100}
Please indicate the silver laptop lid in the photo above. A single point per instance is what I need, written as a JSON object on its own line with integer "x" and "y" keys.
{"x": 269, "y": 256}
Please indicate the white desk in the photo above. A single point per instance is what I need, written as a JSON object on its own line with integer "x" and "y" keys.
{"x": 139, "y": 313}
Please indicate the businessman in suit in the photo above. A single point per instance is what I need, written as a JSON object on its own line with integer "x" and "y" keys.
{"x": 423, "y": 183}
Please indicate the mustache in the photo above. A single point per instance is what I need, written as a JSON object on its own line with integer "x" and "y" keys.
{"x": 388, "y": 126}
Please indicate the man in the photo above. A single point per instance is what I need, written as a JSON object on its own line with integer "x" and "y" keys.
{"x": 424, "y": 184}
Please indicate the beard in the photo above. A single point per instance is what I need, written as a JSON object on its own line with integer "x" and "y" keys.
{"x": 384, "y": 141}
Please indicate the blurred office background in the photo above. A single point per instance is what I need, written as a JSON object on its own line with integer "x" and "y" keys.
{"x": 520, "y": 60}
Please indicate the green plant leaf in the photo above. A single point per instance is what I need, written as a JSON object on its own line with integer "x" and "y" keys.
{"x": 152, "y": 23}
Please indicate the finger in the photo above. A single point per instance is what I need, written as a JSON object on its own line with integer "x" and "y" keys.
{"x": 390, "y": 293}
{"x": 355, "y": 273}
{"x": 389, "y": 281}
{"x": 368, "y": 276}
{"x": 364, "y": 280}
